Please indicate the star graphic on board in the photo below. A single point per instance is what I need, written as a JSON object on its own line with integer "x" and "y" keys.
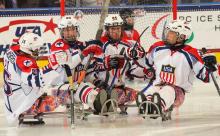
{"x": 50, "y": 26}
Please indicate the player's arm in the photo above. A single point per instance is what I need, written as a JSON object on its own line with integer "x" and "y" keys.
{"x": 61, "y": 55}
{"x": 202, "y": 66}
{"x": 30, "y": 75}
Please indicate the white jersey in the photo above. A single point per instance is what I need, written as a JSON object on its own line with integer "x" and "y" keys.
{"x": 177, "y": 67}
{"x": 54, "y": 68}
{"x": 113, "y": 76}
{"x": 75, "y": 49}
{"x": 22, "y": 83}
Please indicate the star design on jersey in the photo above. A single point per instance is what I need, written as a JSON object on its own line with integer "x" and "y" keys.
{"x": 27, "y": 63}
{"x": 59, "y": 44}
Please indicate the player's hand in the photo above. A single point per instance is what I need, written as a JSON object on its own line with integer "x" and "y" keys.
{"x": 92, "y": 49}
{"x": 149, "y": 73}
{"x": 135, "y": 52}
{"x": 210, "y": 62}
{"x": 100, "y": 84}
{"x": 114, "y": 62}
{"x": 62, "y": 58}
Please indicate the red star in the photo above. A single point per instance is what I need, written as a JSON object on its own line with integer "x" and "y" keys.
{"x": 50, "y": 26}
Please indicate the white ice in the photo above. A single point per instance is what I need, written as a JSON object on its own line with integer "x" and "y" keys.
{"x": 198, "y": 116}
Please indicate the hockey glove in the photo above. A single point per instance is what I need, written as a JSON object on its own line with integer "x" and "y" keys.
{"x": 135, "y": 52}
{"x": 210, "y": 62}
{"x": 114, "y": 62}
{"x": 92, "y": 49}
{"x": 61, "y": 58}
{"x": 149, "y": 73}
{"x": 100, "y": 84}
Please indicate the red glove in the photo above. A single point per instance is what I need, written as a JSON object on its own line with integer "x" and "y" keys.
{"x": 149, "y": 73}
{"x": 92, "y": 49}
{"x": 114, "y": 62}
{"x": 136, "y": 52}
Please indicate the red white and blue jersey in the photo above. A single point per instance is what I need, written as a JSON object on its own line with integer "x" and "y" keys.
{"x": 75, "y": 50}
{"x": 177, "y": 67}
{"x": 22, "y": 82}
{"x": 110, "y": 48}
{"x": 131, "y": 36}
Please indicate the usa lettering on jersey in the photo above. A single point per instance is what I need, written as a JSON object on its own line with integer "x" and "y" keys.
{"x": 167, "y": 74}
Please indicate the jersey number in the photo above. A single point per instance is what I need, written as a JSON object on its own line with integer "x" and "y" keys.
{"x": 7, "y": 87}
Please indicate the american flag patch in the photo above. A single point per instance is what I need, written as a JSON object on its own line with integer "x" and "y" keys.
{"x": 167, "y": 74}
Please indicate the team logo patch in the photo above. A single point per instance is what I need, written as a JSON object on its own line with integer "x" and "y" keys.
{"x": 167, "y": 74}
{"x": 27, "y": 63}
{"x": 11, "y": 56}
{"x": 59, "y": 44}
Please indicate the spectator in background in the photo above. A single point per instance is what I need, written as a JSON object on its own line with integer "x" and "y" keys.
{"x": 196, "y": 1}
{"x": 50, "y": 3}
{"x": 10, "y": 3}
{"x": 216, "y": 0}
{"x": 207, "y": 1}
{"x": 2, "y": 4}
{"x": 141, "y": 2}
{"x": 91, "y": 2}
{"x": 99, "y": 2}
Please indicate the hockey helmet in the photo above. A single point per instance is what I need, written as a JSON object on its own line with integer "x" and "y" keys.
{"x": 127, "y": 13}
{"x": 68, "y": 21}
{"x": 113, "y": 20}
{"x": 182, "y": 29}
{"x": 30, "y": 43}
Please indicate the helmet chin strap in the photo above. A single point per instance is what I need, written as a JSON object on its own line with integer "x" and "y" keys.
{"x": 69, "y": 40}
{"x": 113, "y": 40}
{"x": 175, "y": 46}
{"x": 73, "y": 45}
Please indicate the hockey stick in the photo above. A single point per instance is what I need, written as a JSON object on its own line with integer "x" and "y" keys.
{"x": 83, "y": 73}
{"x": 215, "y": 83}
{"x": 127, "y": 62}
{"x": 104, "y": 13}
{"x": 72, "y": 89}
{"x": 69, "y": 76}
{"x": 204, "y": 50}
{"x": 116, "y": 71}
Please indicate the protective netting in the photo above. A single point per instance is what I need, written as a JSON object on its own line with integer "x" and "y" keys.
{"x": 155, "y": 14}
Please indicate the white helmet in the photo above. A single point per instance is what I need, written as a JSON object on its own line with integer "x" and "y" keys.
{"x": 182, "y": 28}
{"x": 113, "y": 20}
{"x": 68, "y": 21}
{"x": 30, "y": 42}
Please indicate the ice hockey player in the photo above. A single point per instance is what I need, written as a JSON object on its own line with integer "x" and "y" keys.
{"x": 69, "y": 51}
{"x": 136, "y": 72}
{"x": 116, "y": 49}
{"x": 130, "y": 33}
{"x": 24, "y": 86}
{"x": 175, "y": 65}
